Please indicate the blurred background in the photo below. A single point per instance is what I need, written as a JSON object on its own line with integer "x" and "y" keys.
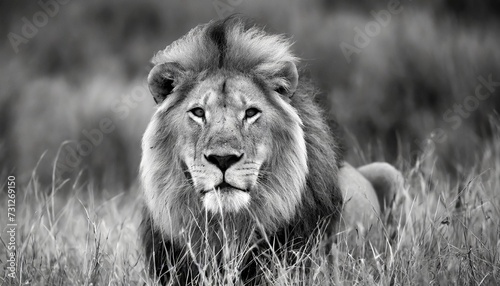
{"x": 405, "y": 80}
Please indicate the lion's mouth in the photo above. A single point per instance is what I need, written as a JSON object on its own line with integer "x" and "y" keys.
{"x": 223, "y": 187}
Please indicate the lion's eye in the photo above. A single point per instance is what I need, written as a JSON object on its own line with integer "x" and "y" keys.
{"x": 251, "y": 112}
{"x": 198, "y": 112}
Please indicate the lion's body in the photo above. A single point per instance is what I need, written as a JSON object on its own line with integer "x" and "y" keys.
{"x": 236, "y": 151}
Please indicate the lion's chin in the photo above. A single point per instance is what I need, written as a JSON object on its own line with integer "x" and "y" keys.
{"x": 225, "y": 200}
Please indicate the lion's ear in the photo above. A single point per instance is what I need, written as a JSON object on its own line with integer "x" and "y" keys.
{"x": 162, "y": 79}
{"x": 289, "y": 79}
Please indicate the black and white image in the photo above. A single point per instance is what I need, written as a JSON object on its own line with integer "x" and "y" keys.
{"x": 250, "y": 142}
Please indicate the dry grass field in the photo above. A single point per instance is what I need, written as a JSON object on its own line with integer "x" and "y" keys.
{"x": 89, "y": 237}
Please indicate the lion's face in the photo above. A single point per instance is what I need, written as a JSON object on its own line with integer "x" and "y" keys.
{"x": 227, "y": 140}
{"x": 226, "y": 136}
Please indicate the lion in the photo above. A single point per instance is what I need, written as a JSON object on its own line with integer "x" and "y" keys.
{"x": 238, "y": 153}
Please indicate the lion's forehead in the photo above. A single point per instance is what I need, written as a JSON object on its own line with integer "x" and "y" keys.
{"x": 224, "y": 99}
{"x": 226, "y": 93}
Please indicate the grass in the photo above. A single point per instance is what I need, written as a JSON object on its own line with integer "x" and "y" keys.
{"x": 449, "y": 234}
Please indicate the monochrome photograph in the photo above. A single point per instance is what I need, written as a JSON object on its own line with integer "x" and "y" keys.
{"x": 250, "y": 142}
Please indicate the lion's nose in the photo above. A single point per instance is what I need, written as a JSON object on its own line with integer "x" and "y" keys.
{"x": 223, "y": 162}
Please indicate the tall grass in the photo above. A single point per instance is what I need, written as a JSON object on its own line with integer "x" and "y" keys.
{"x": 442, "y": 232}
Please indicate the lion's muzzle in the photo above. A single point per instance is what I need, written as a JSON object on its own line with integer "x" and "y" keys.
{"x": 225, "y": 180}
{"x": 223, "y": 162}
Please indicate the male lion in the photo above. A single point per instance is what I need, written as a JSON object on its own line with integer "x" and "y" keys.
{"x": 239, "y": 154}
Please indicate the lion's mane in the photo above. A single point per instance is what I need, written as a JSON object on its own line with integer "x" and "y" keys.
{"x": 235, "y": 46}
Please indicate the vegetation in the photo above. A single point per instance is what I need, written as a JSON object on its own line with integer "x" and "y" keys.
{"x": 90, "y": 237}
